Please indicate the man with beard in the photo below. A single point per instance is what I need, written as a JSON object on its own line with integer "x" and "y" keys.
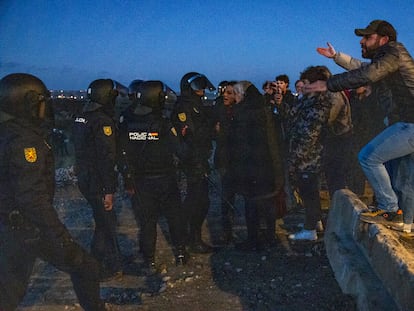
{"x": 391, "y": 70}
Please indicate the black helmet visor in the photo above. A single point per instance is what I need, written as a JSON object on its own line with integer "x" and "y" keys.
{"x": 200, "y": 82}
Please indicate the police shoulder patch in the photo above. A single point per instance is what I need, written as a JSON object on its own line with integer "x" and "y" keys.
{"x": 30, "y": 154}
{"x": 173, "y": 130}
{"x": 107, "y": 130}
{"x": 182, "y": 116}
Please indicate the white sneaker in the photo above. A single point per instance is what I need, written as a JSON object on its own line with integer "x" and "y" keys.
{"x": 319, "y": 226}
{"x": 309, "y": 235}
{"x": 402, "y": 227}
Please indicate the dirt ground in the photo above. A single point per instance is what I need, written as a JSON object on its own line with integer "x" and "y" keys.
{"x": 284, "y": 277}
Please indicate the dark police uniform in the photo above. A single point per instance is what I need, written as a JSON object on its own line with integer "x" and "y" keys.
{"x": 29, "y": 225}
{"x": 95, "y": 149}
{"x": 148, "y": 143}
{"x": 194, "y": 123}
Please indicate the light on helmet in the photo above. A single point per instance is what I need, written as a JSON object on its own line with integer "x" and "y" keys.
{"x": 200, "y": 82}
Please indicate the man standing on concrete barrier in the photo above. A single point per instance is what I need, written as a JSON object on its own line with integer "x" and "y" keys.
{"x": 392, "y": 70}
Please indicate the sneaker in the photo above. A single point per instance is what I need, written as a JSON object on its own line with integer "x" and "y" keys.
{"x": 407, "y": 237}
{"x": 304, "y": 235}
{"x": 319, "y": 226}
{"x": 380, "y": 216}
{"x": 402, "y": 227}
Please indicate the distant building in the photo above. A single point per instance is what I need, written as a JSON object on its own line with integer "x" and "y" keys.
{"x": 64, "y": 94}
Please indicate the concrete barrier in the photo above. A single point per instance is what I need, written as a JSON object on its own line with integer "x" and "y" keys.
{"x": 368, "y": 260}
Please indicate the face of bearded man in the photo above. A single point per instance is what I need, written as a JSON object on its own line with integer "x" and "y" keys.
{"x": 370, "y": 44}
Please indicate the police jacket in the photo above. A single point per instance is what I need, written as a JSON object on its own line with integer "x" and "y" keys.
{"x": 94, "y": 136}
{"x": 148, "y": 144}
{"x": 392, "y": 72}
{"x": 27, "y": 176}
{"x": 194, "y": 123}
{"x": 255, "y": 170}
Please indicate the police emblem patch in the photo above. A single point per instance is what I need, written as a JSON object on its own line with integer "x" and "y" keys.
{"x": 107, "y": 130}
{"x": 182, "y": 116}
{"x": 30, "y": 154}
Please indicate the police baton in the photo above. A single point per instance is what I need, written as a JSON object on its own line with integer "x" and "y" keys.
{"x": 221, "y": 195}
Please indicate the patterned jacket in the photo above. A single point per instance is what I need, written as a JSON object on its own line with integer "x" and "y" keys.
{"x": 309, "y": 117}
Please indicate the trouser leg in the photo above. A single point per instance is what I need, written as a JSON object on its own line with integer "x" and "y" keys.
{"x": 252, "y": 220}
{"x": 16, "y": 265}
{"x": 309, "y": 186}
{"x": 394, "y": 142}
{"x": 104, "y": 245}
{"x": 84, "y": 270}
{"x": 196, "y": 207}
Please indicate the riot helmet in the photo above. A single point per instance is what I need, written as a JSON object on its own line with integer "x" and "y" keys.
{"x": 133, "y": 88}
{"x": 194, "y": 81}
{"x": 104, "y": 92}
{"x": 154, "y": 97}
{"x": 24, "y": 96}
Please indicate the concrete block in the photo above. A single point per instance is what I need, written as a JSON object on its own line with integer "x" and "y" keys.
{"x": 352, "y": 263}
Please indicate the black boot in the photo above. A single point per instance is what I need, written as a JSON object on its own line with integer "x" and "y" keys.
{"x": 149, "y": 266}
{"x": 181, "y": 257}
{"x": 197, "y": 245}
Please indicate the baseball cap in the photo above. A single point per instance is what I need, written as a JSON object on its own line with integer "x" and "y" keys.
{"x": 383, "y": 28}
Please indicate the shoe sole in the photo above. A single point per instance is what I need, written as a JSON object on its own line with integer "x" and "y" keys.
{"x": 293, "y": 239}
{"x": 377, "y": 220}
{"x": 407, "y": 237}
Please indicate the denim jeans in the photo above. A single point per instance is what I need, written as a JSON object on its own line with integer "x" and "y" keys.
{"x": 394, "y": 142}
{"x": 402, "y": 172}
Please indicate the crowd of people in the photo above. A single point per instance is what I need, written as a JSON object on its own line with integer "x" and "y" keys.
{"x": 273, "y": 148}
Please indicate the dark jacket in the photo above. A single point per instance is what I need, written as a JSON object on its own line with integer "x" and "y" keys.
{"x": 392, "y": 72}
{"x": 255, "y": 160}
{"x": 27, "y": 176}
{"x": 94, "y": 135}
{"x": 195, "y": 125}
{"x": 223, "y": 115}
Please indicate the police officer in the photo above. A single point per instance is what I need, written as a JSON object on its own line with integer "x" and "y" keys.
{"x": 94, "y": 135}
{"x": 29, "y": 225}
{"x": 195, "y": 124}
{"x": 149, "y": 144}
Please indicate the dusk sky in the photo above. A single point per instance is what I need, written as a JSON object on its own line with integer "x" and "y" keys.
{"x": 68, "y": 44}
